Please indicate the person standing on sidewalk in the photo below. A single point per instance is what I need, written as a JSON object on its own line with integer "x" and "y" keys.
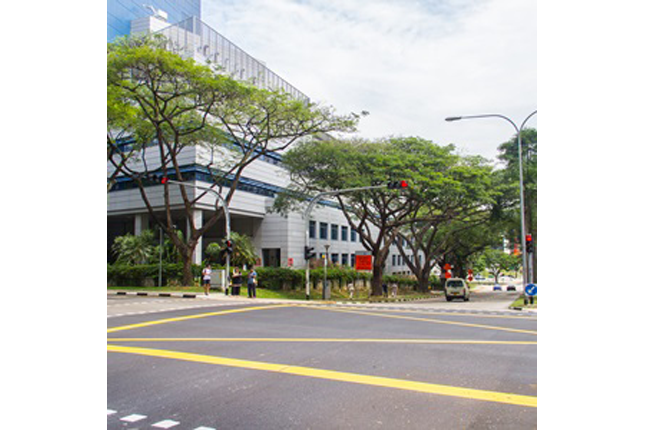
{"x": 237, "y": 282}
{"x": 252, "y": 282}
{"x": 206, "y": 276}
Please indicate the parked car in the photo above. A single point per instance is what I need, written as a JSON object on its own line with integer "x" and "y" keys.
{"x": 497, "y": 287}
{"x": 457, "y": 288}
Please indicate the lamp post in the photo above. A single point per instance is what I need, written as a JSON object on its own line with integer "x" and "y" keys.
{"x": 525, "y": 275}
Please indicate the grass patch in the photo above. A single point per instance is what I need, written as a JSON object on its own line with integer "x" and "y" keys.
{"x": 519, "y": 303}
{"x": 316, "y": 294}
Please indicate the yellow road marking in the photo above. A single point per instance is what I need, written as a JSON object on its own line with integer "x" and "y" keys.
{"x": 271, "y": 339}
{"x": 190, "y": 317}
{"x": 488, "y": 327}
{"x": 379, "y": 381}
{"x": 459, "y": 314}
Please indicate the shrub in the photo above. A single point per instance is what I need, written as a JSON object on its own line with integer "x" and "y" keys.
{"x": 127, "y": 275}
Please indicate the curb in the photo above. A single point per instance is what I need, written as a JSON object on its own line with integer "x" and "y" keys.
{"x": 139, "y": 293}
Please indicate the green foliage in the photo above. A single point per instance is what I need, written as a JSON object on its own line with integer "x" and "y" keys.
{"x": 243, "y": 251}
{"x": 498, "y": 261}
{"x": 132, "y": 249}
{"x": 124, "y": 275}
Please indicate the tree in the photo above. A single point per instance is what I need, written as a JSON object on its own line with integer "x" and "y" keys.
{"x": 509, "y": 155}
{"x": 454, "y": 196}
{"x": 132, "y": 249}
{"x": 243, "y": 250}
{"x": 376, "y": 215}
{"x": 165, "y": 103}
{"x": 497, "y": 261}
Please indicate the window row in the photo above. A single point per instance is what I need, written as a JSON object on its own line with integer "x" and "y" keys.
{"x": 397, "y": 260}
{"x": 345, "y": 259}
{"x": 324, "y": 232}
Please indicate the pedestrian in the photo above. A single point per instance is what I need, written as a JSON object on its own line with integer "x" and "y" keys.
{"x": 395, "y": 289}
{"x": 384, "y": 286}
{"x": 350, "y": 288}
{"x": 252, "y": 282}
{"x": 237, "y": 282}
{"x": 206, "y": 276}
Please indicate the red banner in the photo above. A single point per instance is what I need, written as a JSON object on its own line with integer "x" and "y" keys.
{"x": 363, "y": 262}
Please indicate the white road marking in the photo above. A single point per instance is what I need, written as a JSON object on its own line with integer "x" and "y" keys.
{"x": 110, "y": 412}
{"x": 133, "y": 418}
{"x": 165, "y": 424}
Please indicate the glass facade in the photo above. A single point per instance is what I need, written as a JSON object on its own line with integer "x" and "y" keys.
{"x": 121, "y": 12}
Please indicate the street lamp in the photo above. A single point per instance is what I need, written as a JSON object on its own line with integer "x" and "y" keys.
{"x": 525, "y": 275}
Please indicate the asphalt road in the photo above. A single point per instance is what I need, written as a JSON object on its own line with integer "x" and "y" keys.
{"x": 217, "y": 364}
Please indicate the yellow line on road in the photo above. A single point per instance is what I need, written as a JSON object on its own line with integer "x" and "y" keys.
{"x": 323, "y": 340}
{"x": 458, "y": 314}
{"x": 422, "y": 387}
{"x": 488, "y": 327}
{"x": 190, "y": 317}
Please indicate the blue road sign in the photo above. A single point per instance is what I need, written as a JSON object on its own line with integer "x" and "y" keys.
{"x": 531, "y": 290}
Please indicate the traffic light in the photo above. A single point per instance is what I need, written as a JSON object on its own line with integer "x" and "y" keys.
{"x": 309, "y": 252}
{"x": 395, "y": 185}
{"x": 529, "y": 244}
{"x": 158, "y": 178}
{"x": 229, "y": 247}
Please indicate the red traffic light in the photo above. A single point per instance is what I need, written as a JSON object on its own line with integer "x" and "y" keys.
{"x": 529, "y": 238}
{"x": 397, "y": 185}
{"x": 164, "y": 180}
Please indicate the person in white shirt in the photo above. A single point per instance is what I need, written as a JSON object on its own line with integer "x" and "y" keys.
{"x": 206, "y": 275}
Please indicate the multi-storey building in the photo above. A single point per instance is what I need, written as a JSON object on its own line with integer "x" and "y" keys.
{"x": 279, "y": 240}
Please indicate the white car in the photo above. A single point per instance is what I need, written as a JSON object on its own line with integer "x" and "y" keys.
{"x": 457, "y": 288}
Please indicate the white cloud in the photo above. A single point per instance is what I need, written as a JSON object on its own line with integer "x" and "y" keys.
{"x": 409, "y": 63}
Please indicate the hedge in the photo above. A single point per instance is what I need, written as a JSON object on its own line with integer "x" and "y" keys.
{"x": 274, "y": 278}
{"x": 125, "y": 275}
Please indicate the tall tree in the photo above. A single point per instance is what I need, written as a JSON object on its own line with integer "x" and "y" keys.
{"x": 509, "y": 155}
{"x": 456, "y": 196}
{"x": 374, "y": 214}
{"x": 166, "y": 103}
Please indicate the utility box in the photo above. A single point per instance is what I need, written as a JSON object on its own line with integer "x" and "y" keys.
{"x": 218, "y": 279}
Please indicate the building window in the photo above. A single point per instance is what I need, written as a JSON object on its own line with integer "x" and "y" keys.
{"x": 344, "y": 260}
{"x": 393, "y": 260}
{"x": 323, "y": 230}
{"x": 343, "y": 233}
{"x": 353, "y": 260}
{"x": 399, "y": 259}
{"x": 353, "y": 235}
{"x": 334, "y": 258}
{"x": 334, "y": 232}
{"x": 312, "y": 229}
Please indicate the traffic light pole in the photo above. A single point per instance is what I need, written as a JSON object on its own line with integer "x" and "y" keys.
{"x": 307, "y": 215}
{"x": 227, "y": 217}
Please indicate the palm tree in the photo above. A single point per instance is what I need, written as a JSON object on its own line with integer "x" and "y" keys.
{"x": 132, "y": 249}
{"x": 243, "y": 250}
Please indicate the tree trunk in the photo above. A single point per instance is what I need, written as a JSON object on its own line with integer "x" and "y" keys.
{"x": 424, "y": 279}
{"x": 187, "y": 271}
{"x": 377, "y": 272}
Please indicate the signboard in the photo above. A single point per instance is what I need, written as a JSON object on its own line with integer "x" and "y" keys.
{"x": 531, "y": 290}
{"x": 363, "y": 262}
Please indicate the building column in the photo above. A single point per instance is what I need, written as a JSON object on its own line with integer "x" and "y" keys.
{"x": 140, "y": 223}
{"x": 198, "y": 215}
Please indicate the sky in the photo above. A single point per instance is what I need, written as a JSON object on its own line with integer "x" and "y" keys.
{"x": 409, "y": 63}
